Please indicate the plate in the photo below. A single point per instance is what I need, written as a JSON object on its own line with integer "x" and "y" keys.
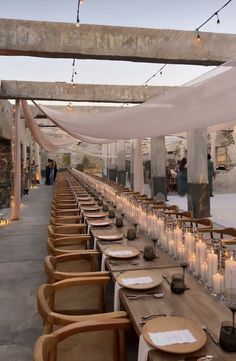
{"x": 112, "y": 237}
{"x": 157, "y": 279}
{"x": 173, "y": 324}
{"x": 100, "y": 223}
{"x": 87, "y": 203}
{"x": 85, "y": 198}
{"x": 118, "y": 250}
{"x": 95, "y": 215}
{"x": 91, "y": 209}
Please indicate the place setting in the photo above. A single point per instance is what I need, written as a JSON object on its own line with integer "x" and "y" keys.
{"x": 138, "y": 280}
{"x": 175, "y": 335}
{"x": 91, "y": 208}
{"x": 119, "y": 254}
{"x": 95, "y": 215}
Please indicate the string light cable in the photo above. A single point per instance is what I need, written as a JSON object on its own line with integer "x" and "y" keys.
{"x": 215, "y": 14}
{"x": 159, "y": 71}
{"x": 74, "y": 72}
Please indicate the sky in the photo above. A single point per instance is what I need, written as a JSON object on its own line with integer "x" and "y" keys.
{"x": 162, "y": 14}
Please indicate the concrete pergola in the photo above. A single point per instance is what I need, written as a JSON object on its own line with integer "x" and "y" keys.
{"x": 10, "y": 89}
{"x": 63, "y": 40}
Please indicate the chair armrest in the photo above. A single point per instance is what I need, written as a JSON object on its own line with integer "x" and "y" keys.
{"x": 63, "y": 320}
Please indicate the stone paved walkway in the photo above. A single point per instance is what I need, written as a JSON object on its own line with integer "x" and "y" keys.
{"x": 22, "y": 250}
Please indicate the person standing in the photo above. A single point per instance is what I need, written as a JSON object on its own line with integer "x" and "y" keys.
{"x": 47, "y": 172}
{"x": 182, "y": 177}
{"x": 211, "y": 174}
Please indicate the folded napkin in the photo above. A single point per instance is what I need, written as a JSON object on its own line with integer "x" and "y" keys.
{"x": 104, "y": 256}
{"x": 143, "y": 349}
{"x": 117, "y": 297}
{"x": 95, "y": 243}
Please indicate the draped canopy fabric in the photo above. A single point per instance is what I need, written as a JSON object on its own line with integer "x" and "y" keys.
{"x": 42, "y": 139}
{"x": 208, "y": 100}
{"x": 71, "y": 129}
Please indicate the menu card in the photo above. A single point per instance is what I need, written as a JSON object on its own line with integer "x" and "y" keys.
{"x": 172, "y": 337}
{"x": 137, "y": 280}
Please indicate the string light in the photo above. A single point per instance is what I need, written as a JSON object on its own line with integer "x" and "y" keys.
{"x": 80, "y": 2}
{"x": 159, "y": 71}
{"x": 216, "y": 13}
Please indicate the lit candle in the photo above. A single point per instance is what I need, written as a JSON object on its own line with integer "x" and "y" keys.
{"x": 171, "y": 247}
{"x": 200, "y": 256}
{"x": 189, "y": 244}
{"x": 229, "y": 264}
{"x": 218, "y": 283}
{"x": 203, "y": 271}
{"x": 192, "y": 261}
{"x": 212, "y": 263}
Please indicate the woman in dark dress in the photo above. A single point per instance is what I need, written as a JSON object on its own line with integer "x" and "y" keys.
{"x": 182, "y": 177}
{"x": 48, "y": 170}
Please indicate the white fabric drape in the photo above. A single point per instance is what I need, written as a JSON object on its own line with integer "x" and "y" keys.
{"x": 41, "y": 138}
{"x": 138, "y": 167}
{"x": 17, "y": 164}
{"x": 71, "y": 128}
{"x": 206, "y": 101}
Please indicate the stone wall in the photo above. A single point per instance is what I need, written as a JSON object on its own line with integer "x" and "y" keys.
{"x": 6, "y": 113}
{"x": 5, "y": 174}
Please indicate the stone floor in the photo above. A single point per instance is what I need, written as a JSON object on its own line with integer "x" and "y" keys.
{"x": 22, "y": 250}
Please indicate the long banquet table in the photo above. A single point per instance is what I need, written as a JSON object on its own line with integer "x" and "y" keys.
{"x": 196, "y": 303}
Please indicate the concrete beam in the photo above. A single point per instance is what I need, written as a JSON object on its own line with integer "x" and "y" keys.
{"x": 88, "y": 109}
{"x": 65, "y": 40}
{"x": 11, "y": 89}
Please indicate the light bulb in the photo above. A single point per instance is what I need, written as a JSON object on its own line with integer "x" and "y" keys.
{"x": 77, "y": 24}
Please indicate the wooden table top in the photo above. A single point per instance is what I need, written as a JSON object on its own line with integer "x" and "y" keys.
{"x": 138, "y": 263}
{"x": 195, "y": 304}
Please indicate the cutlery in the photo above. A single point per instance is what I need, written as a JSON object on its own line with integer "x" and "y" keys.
{"x": 166, "y": 278}
{"x": 209, "y": 332}
{"x": 197, "y": 358}
{"x": 111, "y": 241}
{"x": 145, "y": 317}
{"x": 156, "y": 295}
{"x": 123, "y": 262}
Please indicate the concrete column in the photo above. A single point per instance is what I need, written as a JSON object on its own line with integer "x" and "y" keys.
{"x": 121, "y": 173}
{"x": 131, "y": 173}
{"x": 104, "y": 160}
{"x": 158, "y": 168}
{"x": 213, "y": 147}
{"x": 17, "y": 164}
{"x": 112, "y": 171}
{"x": 198, "y": 191}
{"x": 138, "y": 167}
{"x": 37, "y": 162}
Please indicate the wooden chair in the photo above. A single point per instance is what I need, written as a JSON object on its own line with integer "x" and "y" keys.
{"x": 80, "y": 263}
{"x": 180, "y": 214}
{"x": 66, "y": 230}
{"x": 164, "y": 207}
{"x": 100, "y": 340}
{"x": 201, "y": 223}
{"x": 65, "y": 205}
{"x": 65, "y": 212}
{"x": 62, "y": 245}
{"x": 226, "y": 236}
{"x": 72, "y": 296}
{"x": 61, "y": 220}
